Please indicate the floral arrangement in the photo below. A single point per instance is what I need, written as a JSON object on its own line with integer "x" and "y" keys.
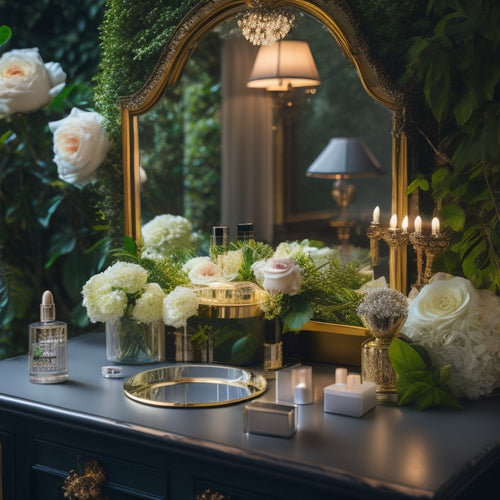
{"x": 120, "y": 290}
{"x": 26, "y": 85}
{"x": 458, "y": 325}
{"x": 302, "y": 280}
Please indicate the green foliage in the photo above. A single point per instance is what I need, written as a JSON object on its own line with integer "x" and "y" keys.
{"x": 458, "y": 69}
{"x": 52, "y": 234}
{"x": 418, "y": 383}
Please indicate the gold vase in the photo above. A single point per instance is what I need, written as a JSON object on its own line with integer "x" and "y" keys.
{"x": 375, "y": 363}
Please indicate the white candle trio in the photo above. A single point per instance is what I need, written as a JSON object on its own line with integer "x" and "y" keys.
{"x": 417, "y": 224}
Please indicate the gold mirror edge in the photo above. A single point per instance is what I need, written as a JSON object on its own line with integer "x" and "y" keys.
{"x": 320, "y": 326}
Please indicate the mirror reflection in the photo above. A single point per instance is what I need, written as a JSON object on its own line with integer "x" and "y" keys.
{"x": 217, "y": 151}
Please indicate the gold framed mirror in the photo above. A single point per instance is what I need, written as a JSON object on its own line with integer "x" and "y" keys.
{"x": 202, "y": 19}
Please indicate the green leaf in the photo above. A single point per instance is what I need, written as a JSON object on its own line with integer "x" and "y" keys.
{"x": 404, "y": 358}
{"x": 414, "y": 393}
{"x": 5, "y": 34}
{"x": 130, "y": 246}
{"x": 454, "y": 216}
{"x": 465, "y": 107}
{"x": 418, "y": 183}
{"x": 301, "y": 312}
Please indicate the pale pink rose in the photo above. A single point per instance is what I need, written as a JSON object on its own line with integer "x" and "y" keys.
{"x": 80, "y": 146}
{"x": 205, "y": 272}
{"x": 26, "y": 83}
{"x": 282, "y": 275}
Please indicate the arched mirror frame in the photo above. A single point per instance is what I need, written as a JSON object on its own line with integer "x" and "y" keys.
{"x": 201, "y": 20}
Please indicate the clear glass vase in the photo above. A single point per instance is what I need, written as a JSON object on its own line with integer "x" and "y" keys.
{"x": 129, "y": 341}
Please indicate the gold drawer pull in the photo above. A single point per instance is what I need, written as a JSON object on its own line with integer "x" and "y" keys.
{"x": 87, "y": 486}
{"x": 208, "y": 494}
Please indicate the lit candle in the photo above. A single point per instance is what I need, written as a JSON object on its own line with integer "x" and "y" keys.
{"x": 404, "y": 224}
{"x": 435, "y": 226}
{"x": 418, "y": 224}
{"x": 393, "y": 223}
{"x": 376, "y": 216}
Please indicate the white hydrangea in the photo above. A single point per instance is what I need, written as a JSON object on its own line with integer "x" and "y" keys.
{"x": 149, "y": 306}
{"x": 178, "y": 306}
{"x": 167, "y": 233}
{"x": 101, "y": 301}
{"x": 131, "y": 278}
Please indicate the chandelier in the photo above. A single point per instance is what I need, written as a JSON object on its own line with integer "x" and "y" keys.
{"x": 264, "y": 25}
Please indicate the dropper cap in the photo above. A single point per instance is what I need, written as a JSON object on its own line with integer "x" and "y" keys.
{"x": 47, "y": 307}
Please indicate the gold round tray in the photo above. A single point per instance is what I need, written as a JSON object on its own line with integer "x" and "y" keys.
{"x": 194, "y": 386}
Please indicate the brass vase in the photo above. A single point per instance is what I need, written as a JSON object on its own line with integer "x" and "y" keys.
{"x": 375, "y": 363}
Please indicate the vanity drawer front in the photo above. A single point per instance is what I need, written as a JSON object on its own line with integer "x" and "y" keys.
{"x": 125, "y": 479}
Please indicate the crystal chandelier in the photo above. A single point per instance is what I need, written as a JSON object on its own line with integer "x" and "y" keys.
{"x": 265, "y": 25}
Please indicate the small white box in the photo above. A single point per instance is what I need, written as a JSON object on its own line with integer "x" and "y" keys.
{"x": 352, "y": 398}
{"x": 270, "y": 419}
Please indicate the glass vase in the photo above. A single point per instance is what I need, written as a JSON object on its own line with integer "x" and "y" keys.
{"x": 132, "y": 342}
{"x": 375, "y": 363}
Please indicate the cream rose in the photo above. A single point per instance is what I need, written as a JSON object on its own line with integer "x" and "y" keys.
{"x": 282, "y": 275}
{"x": 80, "y": 146}
{"x": 26, "y": 83}
{"x": 441, "y": 304}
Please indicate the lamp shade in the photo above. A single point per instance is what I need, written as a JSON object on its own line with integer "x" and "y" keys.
{"x": 344, "y": 158}
{"x": 283, "y": 64}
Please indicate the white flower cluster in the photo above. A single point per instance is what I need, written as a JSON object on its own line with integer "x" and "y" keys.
{"x": 166, "y": 234}
{"x": 460, "y": 326}
{"x": 107, "y": 295}
{"x": 178, "y": 306}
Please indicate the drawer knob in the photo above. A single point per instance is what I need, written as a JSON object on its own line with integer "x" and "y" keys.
{"x": 209, "y": 494}
{"x": 87, "y": 486}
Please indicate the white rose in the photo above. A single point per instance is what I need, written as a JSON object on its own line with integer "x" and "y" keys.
{"x": 282, "y": 275}
{"x": 80, "y": 146}
{"x": 26, "y": 83}
{"x": 442, "y": 304}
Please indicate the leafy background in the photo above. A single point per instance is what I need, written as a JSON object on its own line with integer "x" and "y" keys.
{"x": 54, "y": 236}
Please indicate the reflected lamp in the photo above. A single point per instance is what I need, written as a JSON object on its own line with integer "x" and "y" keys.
{"x": 344, "y": 158}
{"x": 285, "y": 64}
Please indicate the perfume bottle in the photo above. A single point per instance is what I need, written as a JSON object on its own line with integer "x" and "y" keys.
{"x": 48, "y": 358}
{"x": 245, "y": 231}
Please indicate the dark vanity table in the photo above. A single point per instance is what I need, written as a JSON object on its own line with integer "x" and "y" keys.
{"x": 154, "y": 453}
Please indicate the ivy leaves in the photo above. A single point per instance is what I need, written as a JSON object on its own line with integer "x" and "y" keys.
{"x": 417, "y": 382}
{"x": 457, "y": 68}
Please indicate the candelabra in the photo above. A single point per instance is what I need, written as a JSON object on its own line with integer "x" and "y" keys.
{"x": 426, "y": 246}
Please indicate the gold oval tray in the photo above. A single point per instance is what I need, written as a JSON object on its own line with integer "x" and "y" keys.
{"x": 194, "y": 386}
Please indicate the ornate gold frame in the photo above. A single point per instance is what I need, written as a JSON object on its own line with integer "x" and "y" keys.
{"x": 207, "y": 14}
